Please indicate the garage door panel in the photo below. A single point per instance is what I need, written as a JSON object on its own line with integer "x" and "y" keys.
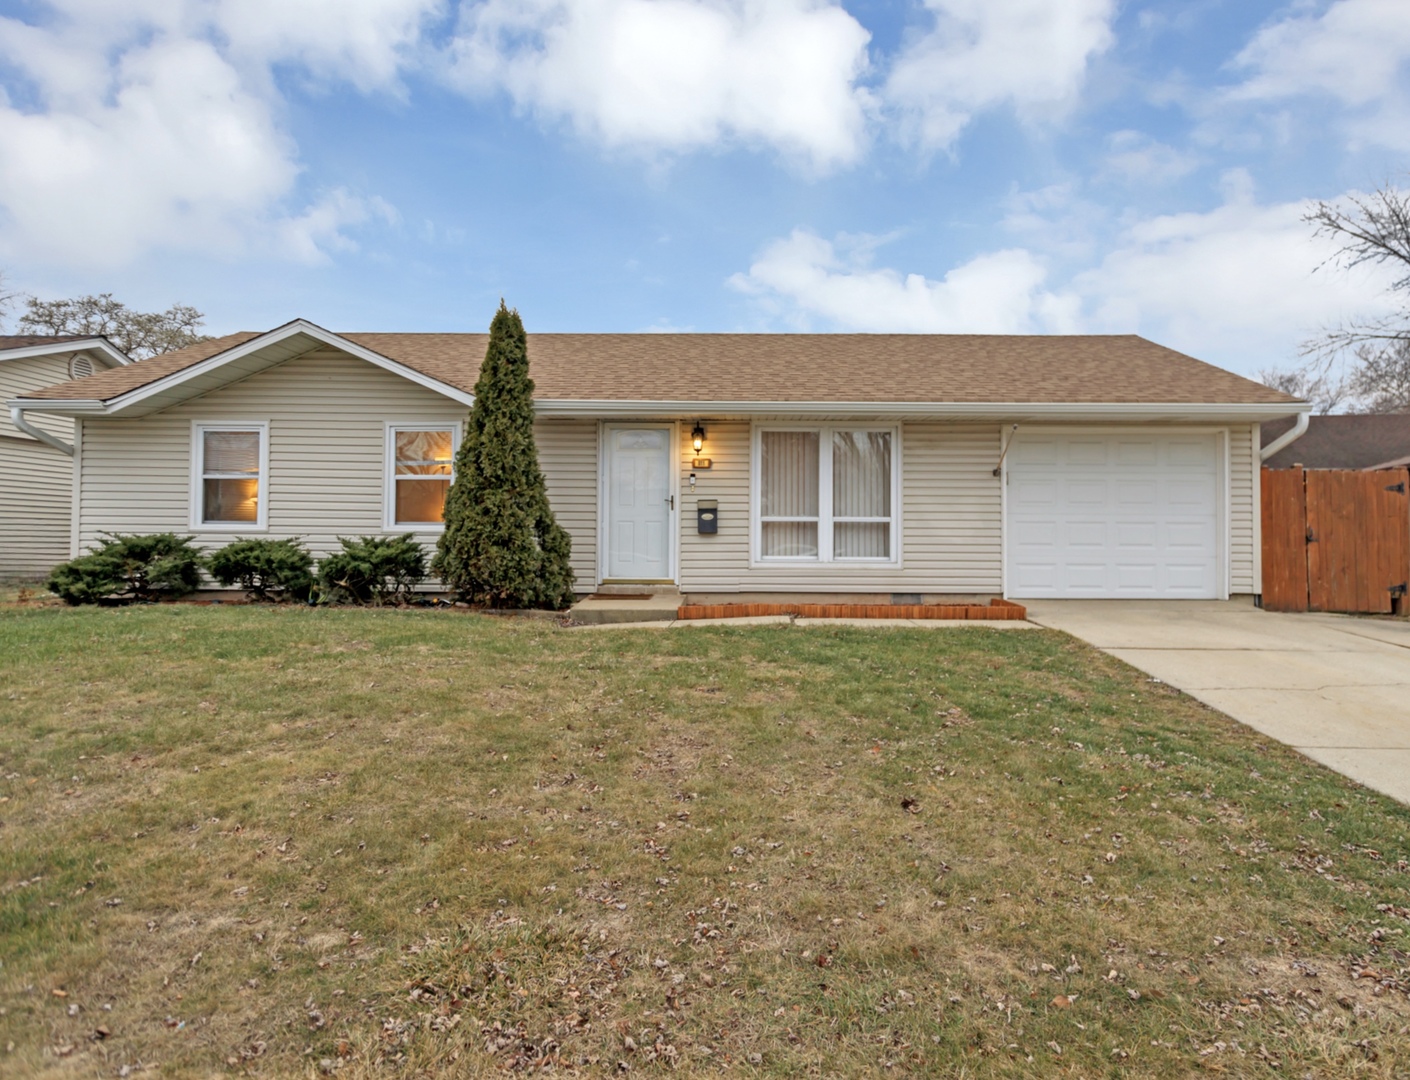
{"x": 1137, "y": 576}
{"x": 1035, "y": 493}
{"x": 1040, "y": 535}
{"x": 1039, "y": 579}
{"x": 1088, "y": 451}
{"x": 1137, "y": 493}
{"x": 1185, "y": 453}
{"x": 1035, "y": 451}
{"x": 1180, "y": 494}
{"x": 1135, "y": 452}
{"x": 1086, "y": 576}
{"x": 1113, "y": 516}
{"x": 1136, "y": 535}
{"x": 1187, "y": 536}
{"x": 1085, "y": 492}
{"x": 1087, "y": 534}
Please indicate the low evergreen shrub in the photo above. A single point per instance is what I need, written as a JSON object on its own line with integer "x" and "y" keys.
{"x": 373, "y": 570}
{"x": 269, "y": 570}
{"x": 124, "y": 568}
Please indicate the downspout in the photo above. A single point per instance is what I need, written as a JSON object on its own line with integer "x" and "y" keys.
{"x": 1298, "y": 430}
{"x": 17, "y": 418}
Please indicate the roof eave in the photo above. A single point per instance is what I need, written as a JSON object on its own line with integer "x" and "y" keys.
{"x": 141, "y": 399}
{"x": 93, "y": 344}
{"x": 1247, "y": 412}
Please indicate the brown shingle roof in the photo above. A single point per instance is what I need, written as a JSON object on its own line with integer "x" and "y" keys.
{"x": 27, "y": 341}
{"x": 787, "y": 368}
{"x": 1342, "y": 442}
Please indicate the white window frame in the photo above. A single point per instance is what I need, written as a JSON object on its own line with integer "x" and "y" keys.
{"x": 826, "y": 521}
{"x": 389, "y": 471}
{"x": 198, "y": 446}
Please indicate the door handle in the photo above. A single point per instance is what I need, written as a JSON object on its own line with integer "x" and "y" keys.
{"x": 671, "y": 501}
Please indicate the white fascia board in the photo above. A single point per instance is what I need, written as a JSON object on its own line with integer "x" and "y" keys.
{"x": 99, "y": 345}
{"x": 291, "y": 329}
{"x": 1095, "y": 411}
{"x": 59, "y": 406}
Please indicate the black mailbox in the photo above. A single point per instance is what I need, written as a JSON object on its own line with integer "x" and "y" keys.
{"x": 707, "y": 516}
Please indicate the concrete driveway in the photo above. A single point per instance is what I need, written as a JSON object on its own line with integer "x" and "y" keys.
{"x": 1335, "y": 687}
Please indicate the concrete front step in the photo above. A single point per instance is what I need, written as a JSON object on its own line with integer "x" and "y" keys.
{"x": 601, "y": 610}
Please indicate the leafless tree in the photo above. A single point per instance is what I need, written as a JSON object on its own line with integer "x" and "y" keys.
{"x": 1371, "y": 230}
{"x": 8, "y": 296}
{"x": 1325, "y": 389}
{"x": 1380, "y": 382}
{"x": 1363, "y": 364}
{"x": 137, "y": 333}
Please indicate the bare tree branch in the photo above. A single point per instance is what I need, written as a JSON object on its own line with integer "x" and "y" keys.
{"x": 1369, "y": 230}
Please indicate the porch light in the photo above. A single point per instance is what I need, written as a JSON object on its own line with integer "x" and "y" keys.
{"x": 697, "y": 437}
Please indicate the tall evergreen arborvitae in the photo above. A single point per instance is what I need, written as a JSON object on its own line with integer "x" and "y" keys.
{"x": 501, "y": 546}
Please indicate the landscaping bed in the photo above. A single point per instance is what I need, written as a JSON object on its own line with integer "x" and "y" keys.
{"x": 995, "y": 609}
{"x": 285, "y": 841}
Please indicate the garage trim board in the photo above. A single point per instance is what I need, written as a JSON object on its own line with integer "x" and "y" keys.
{"x": 1116, "y": 512}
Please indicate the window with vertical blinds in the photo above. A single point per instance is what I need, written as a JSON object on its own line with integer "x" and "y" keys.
{"x": 825, "y": 494}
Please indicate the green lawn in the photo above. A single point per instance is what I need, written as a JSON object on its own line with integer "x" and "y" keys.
{"x": 288, "y": 841}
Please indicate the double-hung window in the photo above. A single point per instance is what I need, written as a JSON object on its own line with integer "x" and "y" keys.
{"x": 420, "y": 466}
{"x": 229, "y": 481}
{"x": 825, "y": 494}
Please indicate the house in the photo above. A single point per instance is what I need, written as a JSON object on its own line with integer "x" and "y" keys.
{"x": 1352, "y": 441}
{"x": 876, "y": 464}
{"x": 36, "y": 473}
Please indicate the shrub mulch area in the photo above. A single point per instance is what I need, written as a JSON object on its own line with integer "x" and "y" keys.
{"x": 996, "y": 609}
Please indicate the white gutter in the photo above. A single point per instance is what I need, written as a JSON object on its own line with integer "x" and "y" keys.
{"x": 1115, "y": 410}
{"x": 1289, "y": 437}
{"x": 17, "y": 418}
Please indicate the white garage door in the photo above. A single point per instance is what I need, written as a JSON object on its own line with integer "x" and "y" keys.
{"x": 1113, "y": 516}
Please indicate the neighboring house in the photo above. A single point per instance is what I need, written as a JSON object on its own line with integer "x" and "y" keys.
{"x": 1352, "y": 441}
{"x": 836, "y": 463}
{"x": 36, "y": 478}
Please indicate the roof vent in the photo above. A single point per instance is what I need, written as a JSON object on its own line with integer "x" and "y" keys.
{"x": 80, "y": 366}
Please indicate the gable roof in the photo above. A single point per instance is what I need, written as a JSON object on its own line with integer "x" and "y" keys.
{"x": 722, "y": 369}
{"x": 1353, "y": 441}
{"x": 19, "y": 346}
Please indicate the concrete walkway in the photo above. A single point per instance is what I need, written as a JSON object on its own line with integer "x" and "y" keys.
{"x": 1335, "y": 687}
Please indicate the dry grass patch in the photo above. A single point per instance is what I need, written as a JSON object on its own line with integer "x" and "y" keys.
{"x": 285, "y": 842}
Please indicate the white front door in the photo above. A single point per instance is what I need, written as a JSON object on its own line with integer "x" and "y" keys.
{"x": 640, "y": 504}
{"x": 1130, "y": 515}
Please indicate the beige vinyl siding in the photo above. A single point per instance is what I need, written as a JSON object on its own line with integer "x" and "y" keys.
{"x": 35, "y": 507}
{"x": 1244, "y": 556}
{"x": 950, "y": 519}
{"x": 327, "y": 414}
{"x": 568, "y": 457}
{"x": 19, "y": 377}
{"x": 36, "y": 481}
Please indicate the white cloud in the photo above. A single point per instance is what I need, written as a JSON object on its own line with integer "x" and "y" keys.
{"x": 980, "y": 54}
{"x": 1241, "y": 285}
{"x": 807, "y": 277}
{"x": 1354, "y": 51}
{"x": 677, "y": 75}
{"x": 363, "y": 42}
{"x": 319, "y": 229}
{"x": 153, "y": 125}
{"x": 1136, "y": 158}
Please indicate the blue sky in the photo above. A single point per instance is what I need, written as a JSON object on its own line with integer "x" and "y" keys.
{"x": 948, "y": 165}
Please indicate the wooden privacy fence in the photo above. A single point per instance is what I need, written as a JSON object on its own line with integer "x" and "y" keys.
{"x": 1336, "y": 540}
